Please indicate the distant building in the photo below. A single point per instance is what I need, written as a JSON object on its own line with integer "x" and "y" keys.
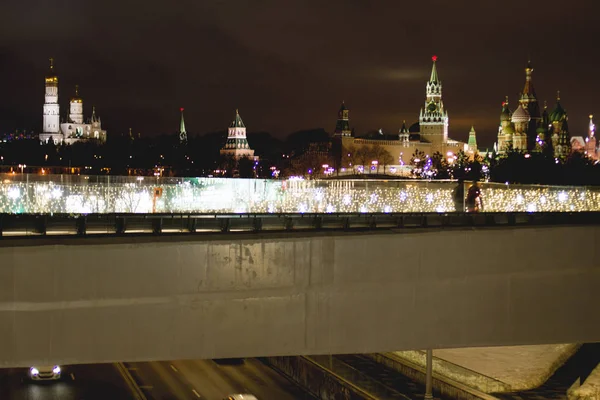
{"x": 74, "y": 128}
{"x": 529, "y": 130}
{"x": 182, "y": 133}
{"x": 237, "y": 143}
{"x": 559, "y": 130}
{"x": 591, "y": 145}
{"x": 524, "y": 129}
{"x": 472, "y": 143}
{"x": 342, "y": 126}
{"x": 429, "y": 135}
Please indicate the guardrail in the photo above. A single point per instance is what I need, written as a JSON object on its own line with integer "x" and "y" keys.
{"x": 32, "y": 225}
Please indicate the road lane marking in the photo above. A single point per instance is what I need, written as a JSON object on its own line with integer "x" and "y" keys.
{"x": 72, "y": 376}
{"x": 196, "y": 393}
{"x": 173, "y": 368}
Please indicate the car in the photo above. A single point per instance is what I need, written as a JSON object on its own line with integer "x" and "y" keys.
{"x": 240, "y": 397}
{"x": 44, "y": 372}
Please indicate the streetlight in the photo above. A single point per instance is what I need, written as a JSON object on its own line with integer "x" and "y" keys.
{"x": 22, "y": 166}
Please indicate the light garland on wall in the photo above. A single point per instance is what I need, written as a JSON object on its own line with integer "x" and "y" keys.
{"x": 221, "y": 195}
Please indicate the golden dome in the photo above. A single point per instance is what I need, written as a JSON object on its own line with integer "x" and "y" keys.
{"x": 76, "y": 98}
{"x": 51, "y": 76}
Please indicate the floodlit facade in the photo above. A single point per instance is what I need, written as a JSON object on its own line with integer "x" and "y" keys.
{"x": 74, "y": 128}
{"x": 528, "y": 129}
{"x": 429, "y": 134}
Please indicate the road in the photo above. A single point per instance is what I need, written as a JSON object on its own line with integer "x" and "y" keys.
{"x": 376, "y": 379}
{"x": 161, "y": 380}
{"x": 78, "y": 382}
{"x": 210, "y": 380}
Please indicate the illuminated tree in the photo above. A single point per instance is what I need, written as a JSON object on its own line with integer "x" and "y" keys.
{"x": 440, "y": 166}
{"x": 418, "y": 161}
{"x": 349, "y": 157}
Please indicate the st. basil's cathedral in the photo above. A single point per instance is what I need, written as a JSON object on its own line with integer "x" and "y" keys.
{"x": 529, "y": 130}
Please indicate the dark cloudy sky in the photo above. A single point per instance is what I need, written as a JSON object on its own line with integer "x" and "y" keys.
{"x": 287, "y": 64}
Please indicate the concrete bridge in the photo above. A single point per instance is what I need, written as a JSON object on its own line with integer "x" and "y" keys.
{"x": 99, "y": 299}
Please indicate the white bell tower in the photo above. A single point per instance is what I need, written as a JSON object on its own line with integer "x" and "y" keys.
{"x": 51, "y": 107}
{"x": 76, "y": 108}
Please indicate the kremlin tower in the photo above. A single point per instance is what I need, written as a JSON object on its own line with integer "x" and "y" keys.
{"x": 182, "y": 133}
{"x": 342, "y": 126}
{"x": 433, "y": 119}
{"x": 237, "y": 143}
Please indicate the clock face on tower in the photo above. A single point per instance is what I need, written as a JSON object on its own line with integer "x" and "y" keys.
{"x": 432, "y": 107}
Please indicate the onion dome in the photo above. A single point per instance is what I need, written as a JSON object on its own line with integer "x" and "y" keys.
{"x": 520, "y": 115}
{"x": 558, "y": 113}
{"x": 509, "y": 130}
{"x": 505, "y": 114}
{"x": 76, "y": 98}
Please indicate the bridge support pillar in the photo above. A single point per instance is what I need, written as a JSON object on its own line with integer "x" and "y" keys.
{"x": 429, "y": 375}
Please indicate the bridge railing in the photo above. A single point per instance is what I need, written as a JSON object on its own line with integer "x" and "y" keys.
{"x": 35, "y": 225}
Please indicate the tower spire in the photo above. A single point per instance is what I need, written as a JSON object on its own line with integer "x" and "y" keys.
{"x": 237, "y": 122}
{"x": 472, "y": 142}
{"x": 433, "y": 119}
{"x": 528, "y": 90}
{"x": 434, "y": 75}
{"x": 182, "y": 132}
{"x": 342, "y": 126}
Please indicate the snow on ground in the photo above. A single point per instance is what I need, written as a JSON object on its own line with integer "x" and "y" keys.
{"x": 590, "y": 390}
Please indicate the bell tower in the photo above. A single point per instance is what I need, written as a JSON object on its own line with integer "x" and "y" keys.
{"x": 76, "y": 108}
{"x": 433, "y": 118}
{"x": 51, "y": 107}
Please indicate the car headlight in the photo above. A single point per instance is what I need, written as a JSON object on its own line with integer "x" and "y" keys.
{"x": 56, "y": 370}
{"x": 34, "y": 371}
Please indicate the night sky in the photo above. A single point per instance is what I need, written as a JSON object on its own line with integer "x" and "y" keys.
{"x": 288, "y": 64}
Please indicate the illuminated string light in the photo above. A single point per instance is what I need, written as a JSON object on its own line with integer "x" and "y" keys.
{"x": 216, "y": 195}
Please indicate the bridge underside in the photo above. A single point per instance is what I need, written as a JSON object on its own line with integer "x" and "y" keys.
{"x": 89, "y": 300}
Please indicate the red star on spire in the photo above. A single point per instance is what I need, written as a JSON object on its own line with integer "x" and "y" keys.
{"x": 434, "y": 58}
{"x": 181, "y": 109}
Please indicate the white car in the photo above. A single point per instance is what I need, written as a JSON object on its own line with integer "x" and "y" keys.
{"x": 241, "y": 397}
{"x": 44, "y": 372}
